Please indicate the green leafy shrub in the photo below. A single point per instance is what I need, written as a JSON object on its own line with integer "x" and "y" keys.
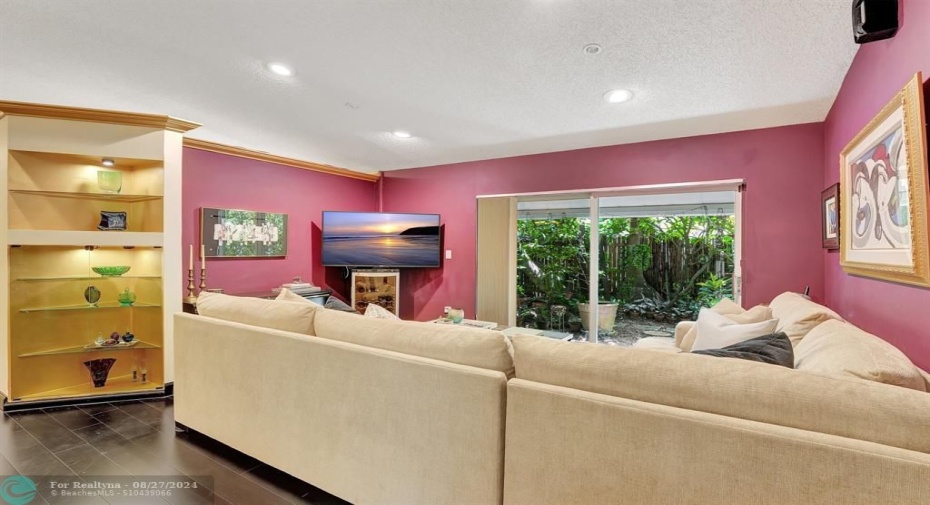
{"x": 668, "y": 266}
{"x": 714, "y": 289}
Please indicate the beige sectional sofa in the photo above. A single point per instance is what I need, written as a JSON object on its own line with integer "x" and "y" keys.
{"x": 417, "y": 421}
{"x": 399, "y": 412}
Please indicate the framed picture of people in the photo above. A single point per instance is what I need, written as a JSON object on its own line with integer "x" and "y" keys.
{"x": 236, "y": 233}
{"x": 375, "y": 287}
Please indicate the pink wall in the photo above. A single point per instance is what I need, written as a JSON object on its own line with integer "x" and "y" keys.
{"x": 782, "y": 168}
{"x": 223, "y": 181}
{"x": 895, "y": 312}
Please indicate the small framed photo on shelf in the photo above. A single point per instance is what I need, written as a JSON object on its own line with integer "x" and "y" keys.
{"x": 830, "y": 212}
{"x": 376, "y": 287}
{"x": 112, "y": 221}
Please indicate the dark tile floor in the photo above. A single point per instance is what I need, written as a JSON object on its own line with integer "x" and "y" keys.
{"x": 138, "y": 439}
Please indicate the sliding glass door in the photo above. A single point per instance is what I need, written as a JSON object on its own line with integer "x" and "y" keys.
{"x": 553, "y": 264}
{"x": 615, "y": 265}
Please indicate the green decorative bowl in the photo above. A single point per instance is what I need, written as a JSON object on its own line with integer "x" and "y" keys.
{"x": 111, "y": 271}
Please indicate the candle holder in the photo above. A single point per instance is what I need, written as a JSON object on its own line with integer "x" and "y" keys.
{"x": 203, "y": 279}
{"x": 191, "y": 297}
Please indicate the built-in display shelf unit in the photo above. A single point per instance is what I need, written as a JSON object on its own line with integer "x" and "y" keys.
{"x": 84, "y": 189}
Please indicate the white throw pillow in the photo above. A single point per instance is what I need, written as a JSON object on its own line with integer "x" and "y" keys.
{"x": 287, "y": 295}
{"x": 374, "y": 310}
{"x": 728, "y": 308}
{"x": 715, "y": 331}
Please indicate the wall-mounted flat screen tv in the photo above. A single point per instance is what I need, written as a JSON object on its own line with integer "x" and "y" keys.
{"x": 380, "y": 239}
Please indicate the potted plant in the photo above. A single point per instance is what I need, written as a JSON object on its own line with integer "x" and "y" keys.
{"x": 606, "y": 315}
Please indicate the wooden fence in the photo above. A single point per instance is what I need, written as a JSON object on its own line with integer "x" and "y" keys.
{"x": 674, "y": 264}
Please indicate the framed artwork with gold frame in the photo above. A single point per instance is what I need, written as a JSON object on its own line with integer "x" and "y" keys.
{"x": 883, "y": 200}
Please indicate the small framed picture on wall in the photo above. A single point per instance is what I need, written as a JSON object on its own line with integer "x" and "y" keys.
{"x": 830, "y": 210}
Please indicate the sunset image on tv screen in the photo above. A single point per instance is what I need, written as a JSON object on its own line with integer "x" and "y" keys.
{"x": 380, "y": 239}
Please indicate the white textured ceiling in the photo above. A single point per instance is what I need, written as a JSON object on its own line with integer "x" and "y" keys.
{"x": 471, "y": 79}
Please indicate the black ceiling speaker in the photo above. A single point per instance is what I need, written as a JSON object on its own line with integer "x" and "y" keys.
{"x": 874, "y": 20}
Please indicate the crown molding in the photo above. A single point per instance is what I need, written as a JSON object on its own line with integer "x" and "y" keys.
{"x": 97, "y": 116}
{"x": 241, "y": 152}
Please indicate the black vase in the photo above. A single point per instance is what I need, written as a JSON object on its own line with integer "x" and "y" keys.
{"x": 99, "y": 370}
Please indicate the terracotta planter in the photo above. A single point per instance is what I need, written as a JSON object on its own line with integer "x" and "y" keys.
{"x": 606, "y": 315}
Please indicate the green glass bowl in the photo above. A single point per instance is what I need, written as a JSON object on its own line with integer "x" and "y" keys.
{"x": 113, "y": 271}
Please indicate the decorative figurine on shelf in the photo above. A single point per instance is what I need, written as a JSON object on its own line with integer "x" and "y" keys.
{"x": 128, "y": 337}
{"x": 99, "y": 370}
{"x": 100, "y": 340}
{"x": 126, "y": 298}
{"x": 92, "y": 295}
{"x": 114, "y": 338}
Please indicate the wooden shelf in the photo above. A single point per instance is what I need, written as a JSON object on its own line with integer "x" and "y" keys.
{"x": 53, "y": 185}
{"x": 100, "y": 306}
{"x": 117, "y": 197}
{"x": 81, "y": 349}
{"x": 56, "y": 157}
{"x": 123, "y": 384}
{"x": 86, "y": 277}
{"x": 82, "y": 238}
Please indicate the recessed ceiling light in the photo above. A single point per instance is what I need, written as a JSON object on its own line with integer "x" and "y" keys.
{"x": 591, "y": 49}
{"x": 281, "y": 69}
{"x": 401, "y": 134}
{"x": 618, "y": 96}
{"x": 107, "y": 162}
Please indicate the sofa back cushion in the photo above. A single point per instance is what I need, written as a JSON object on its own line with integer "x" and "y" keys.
{"x": 295, "y": 317}
{"x": 798, "y": 315}
{"x": 488, "y": 349}
{"x": 838, "y": 348}
{"x": 748, "y": 390}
